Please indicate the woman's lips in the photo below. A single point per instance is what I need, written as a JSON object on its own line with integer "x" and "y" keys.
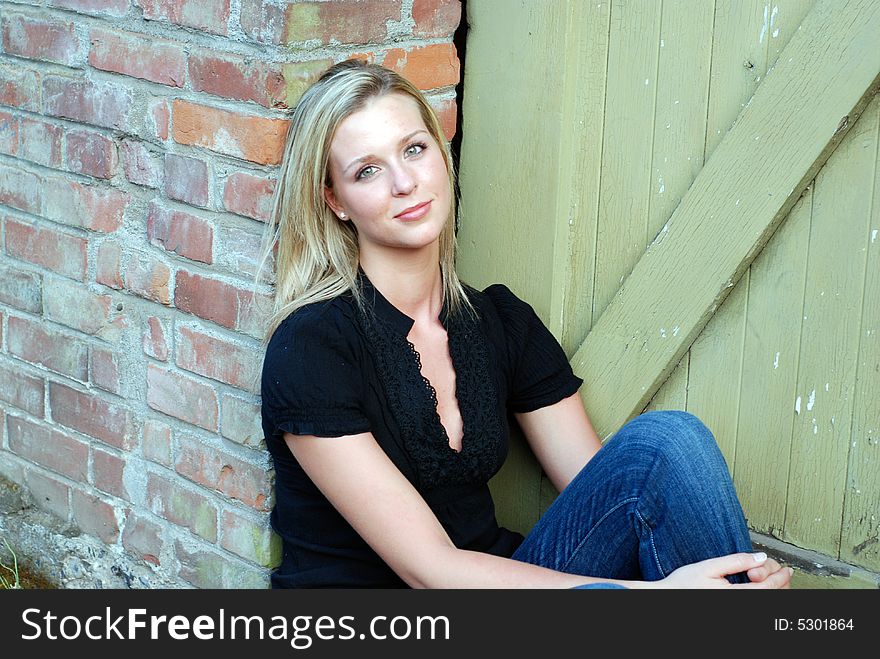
{"x": 415, "y": 212}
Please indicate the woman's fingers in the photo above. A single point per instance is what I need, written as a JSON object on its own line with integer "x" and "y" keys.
{"x": 763, "y": 571}
{"x": 781, "y": 578}
{"x": 733, "y": 563}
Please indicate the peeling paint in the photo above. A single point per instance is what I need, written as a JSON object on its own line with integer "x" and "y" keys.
{"x": 815, "y": 427}
{"x": 797, "y": 405}
{"x": 675, "y": 330}
{"x": 811, "y": 401}
{"x": 874, "y": 235}
{"x": 764, "y": 26}
{"x": 776, "y": 362}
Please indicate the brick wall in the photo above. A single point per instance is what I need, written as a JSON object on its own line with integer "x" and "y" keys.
{"x": 139, "y": 142}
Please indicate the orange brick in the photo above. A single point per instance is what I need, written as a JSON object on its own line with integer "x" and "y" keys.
{"x": 428, "y": 67}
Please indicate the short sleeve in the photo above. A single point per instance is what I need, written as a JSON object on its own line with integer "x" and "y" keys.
{"x": 539, "y": 372}
{"x": 311, "y": 380}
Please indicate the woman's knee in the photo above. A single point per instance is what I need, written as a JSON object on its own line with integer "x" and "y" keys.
{"x": 675, "y": 433}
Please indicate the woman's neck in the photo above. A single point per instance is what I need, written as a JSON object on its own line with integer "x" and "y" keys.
{"x": 412, "y": 283}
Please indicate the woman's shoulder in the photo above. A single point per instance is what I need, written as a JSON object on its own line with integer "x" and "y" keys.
{"x": 499, "y": 301}
{"x": 330, "y": 320}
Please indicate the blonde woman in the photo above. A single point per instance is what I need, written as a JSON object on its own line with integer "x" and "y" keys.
{"x": 388, "y": 388}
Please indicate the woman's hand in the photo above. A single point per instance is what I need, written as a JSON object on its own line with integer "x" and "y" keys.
{"x": 762, "y": 571}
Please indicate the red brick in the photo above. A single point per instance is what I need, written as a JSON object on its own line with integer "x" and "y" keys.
{"x": 151, "y": 59}
{"x": 108, "y": 265}
{"x": 20, "y": 87}
{"x": 249, "y": 538}
{"x": 97, "y": 208}
{"x": 154, "y": 342}
{"x": 207, "y": 15}
{"x": 447, "y": 113}
{"x": 96, "y": 103}
{"x": 21, "y": 390}
{"x": 59, "y": 252}
{"x": 108, "y": 473}
{"x": 140, "y": 165}
{"x": 104, "y": 370}
{"x": 49, "y": 448}
{"x": 160, "y": 118}
{"x": 218, "y": 359}
{"x": 181, "y": 233}
{"x": 346, "y": 21}
{"x": 157, "y": 442}
{"x": 22, "y": 290}
{"x": 210, "y": 299}
{"x": 62, "y": 354}
{"x": 8, "y": 134}
{"x": 212, "y": 468}
{"x": 99, "y": 7}
{"x": 40, "y": 142}
{"x": 249, "y": 195}
{"x": 236, "y": 77}
{"x": 49, "y": 493}
{"x": 241, "y": 250}
{"x": 148, "y": 278}
{"x": 240, "y": 421}
{"x": 181, "y": 397}
{"x": 50, "y": 41}
{"x": 256, "y": 139}
{"x": 91, "y": 416}
{"x": 95, "y": 517}
{"x": 436, "y": 18}
{"x": 21, "y": 189}
{"x": 261, "y": 21}
{"x": 91, "y": 154}
{"x": 182, "y": 507}
{"x": 186, "y": 179}
{"x": 427, "y": 67}
{"x": 142, "y": 538}
{"x": 76, "y": 306}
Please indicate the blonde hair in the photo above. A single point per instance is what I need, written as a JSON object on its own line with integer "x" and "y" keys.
{"x": 317, "y": 254}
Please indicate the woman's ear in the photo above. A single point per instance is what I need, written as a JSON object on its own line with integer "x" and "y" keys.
{"x": 334, "y": 205}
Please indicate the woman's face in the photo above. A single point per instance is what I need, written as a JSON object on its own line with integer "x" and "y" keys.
{"x": 389, "y": 177}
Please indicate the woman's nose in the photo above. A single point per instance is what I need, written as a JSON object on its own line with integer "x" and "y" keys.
{"x": 403, "y": 182}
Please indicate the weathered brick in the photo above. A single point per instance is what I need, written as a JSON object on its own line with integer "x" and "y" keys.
{"x": 108, "y": 265}
{"x": 447, "y": 113}
{"x": 181, "y": 233}
{"x": 249, "y": 538}
{"x": 148, "y": 277}
{"x": 181, "y": 397}
{"x": 159, "y": 118}
{"x": 98, "y": 7}
{"x": 256, "y": 139}
{"x": 157, "y": 442}
{"x": 59, "y": 252}
{"x": 49, "y": 448}
{"x": 217, "y": 470}
{"x": 186, "y": 179}
{"x": 91, "y": 154}
{"x": 97, "y": 103}
{"x": 236, "y": 77}
{"x": 241, "y": 250}
{"x": 20, "y": 289}
{"x": 21, "y": 189}
{"x": 427, "y": 67}
{"x": 206, "y": 569}
{"x": 151, "y": 59}
{"x": 51, "y": 41}
{"x": 143, "y": 538}
{"x": 92, "y": 416}
{"x": 95, "y": 516}
{"x": 154, "y": 342}
{"x": 21, "y": 390}
{"x": 8, "y": 134}
{"x": 218, "y": 359}
{"x": 140, "y": 165}
{"x": 49, "y": 493}
{"x": 240, "y": 421}
{"x": 262, "y": 22}
{"x": 97, "y": 208}
{"x": 63, "y": 354}
{"x": 435, "y": 18}
{"x": 207, "y": 15}
{"x": 248, "y": 195}
{"x": 20, "y": 87}
{"x": 40, "y": 142}
{"x": 210, "y": 299}
{"x": 181, "y": 506}
{"x": 104, "y": 370}
{"x": 76, "y": 306}
{"x": 108, "y": 473}
{"x": 346, "y": 21}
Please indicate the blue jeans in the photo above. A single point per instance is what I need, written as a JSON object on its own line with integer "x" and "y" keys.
{"x": 657, "y": 495}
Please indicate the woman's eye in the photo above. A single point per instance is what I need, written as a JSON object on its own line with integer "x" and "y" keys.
{"x": 414, "y": 149}
{"x": 366, "y": 172}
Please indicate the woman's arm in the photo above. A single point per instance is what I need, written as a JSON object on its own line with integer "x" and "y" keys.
{"x": 561, "y": 437}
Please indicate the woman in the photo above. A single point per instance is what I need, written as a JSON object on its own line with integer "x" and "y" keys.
{"x": 387, "y": 386}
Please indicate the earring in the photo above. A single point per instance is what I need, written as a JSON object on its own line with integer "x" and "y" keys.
{"x": 342, "y": 216}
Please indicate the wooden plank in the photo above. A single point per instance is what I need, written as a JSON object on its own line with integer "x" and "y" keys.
{"x": 672, "y": 394}
{"x": 829, "y": 341}
{"x": 860, "y": 540}
{"x": 753, "y": 179}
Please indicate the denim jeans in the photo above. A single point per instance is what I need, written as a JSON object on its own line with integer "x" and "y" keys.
{"x": 657, "y": 495}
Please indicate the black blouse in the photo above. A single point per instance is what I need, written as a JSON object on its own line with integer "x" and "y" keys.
{"x": 333, "y": 369}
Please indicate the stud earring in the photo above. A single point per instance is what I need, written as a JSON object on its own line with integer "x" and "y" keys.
{"x": 342, "y": 216}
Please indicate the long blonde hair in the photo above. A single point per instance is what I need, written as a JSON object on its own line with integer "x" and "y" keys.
{"x": 317, "y": 254}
